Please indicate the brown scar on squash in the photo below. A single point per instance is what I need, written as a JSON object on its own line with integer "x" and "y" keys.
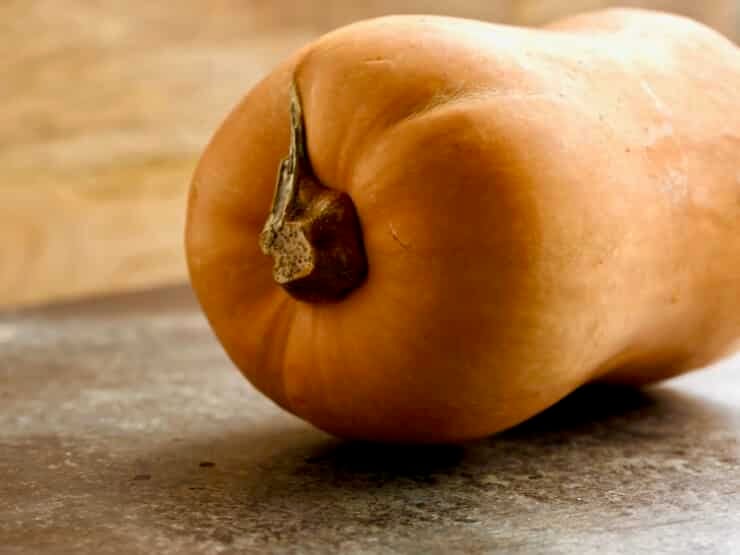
{"x": 312, "y": 232}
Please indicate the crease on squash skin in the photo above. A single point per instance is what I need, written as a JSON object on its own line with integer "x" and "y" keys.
{"x": 312, "y": 232}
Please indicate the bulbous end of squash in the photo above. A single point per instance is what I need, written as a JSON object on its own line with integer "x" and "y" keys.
{"x": 312, "y": 232}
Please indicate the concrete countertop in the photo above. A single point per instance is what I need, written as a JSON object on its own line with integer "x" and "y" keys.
{"x": 125, "y": 429}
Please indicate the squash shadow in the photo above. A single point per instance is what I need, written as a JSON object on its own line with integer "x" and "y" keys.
{"x": 290, "y": 483}
{"x": 590, "y": 408}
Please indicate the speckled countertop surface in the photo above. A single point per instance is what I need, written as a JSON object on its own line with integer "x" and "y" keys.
{"x": 125, "y": 429}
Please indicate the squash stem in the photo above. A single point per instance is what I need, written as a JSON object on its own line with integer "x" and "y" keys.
{"x": 312, "y": 232}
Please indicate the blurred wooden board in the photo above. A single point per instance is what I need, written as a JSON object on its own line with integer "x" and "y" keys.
{"x": 125, "y": 430}
{"x": 105, "y": 106}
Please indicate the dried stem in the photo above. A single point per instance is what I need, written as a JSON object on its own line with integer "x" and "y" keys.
{"x": 312, "y": 232}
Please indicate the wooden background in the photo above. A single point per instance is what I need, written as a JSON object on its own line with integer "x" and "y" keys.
{"x": 105, "y": 105}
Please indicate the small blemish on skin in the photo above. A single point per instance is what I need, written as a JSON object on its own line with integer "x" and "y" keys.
{"x": 396, "y": 237}
{"x": 378, "y": 60}
{"x": 660, "y": 106}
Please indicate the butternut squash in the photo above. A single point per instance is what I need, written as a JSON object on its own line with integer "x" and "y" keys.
{"x": 472, "y": 220}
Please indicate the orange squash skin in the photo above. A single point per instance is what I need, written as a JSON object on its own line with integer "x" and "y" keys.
{"x": 540, "y": 208}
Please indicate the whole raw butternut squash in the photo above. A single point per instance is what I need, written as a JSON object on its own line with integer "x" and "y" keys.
{"x": 473, "y": 220}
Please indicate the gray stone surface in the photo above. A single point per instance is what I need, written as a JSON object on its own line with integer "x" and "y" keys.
{"x": 124, "y": 429}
